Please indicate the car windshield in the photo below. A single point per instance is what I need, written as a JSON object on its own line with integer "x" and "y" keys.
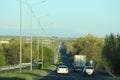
{"x": 62, "y": 66}
{"x": 88, "y": 67}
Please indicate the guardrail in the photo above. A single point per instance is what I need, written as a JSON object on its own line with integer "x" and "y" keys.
{"x": 14, "y": 66}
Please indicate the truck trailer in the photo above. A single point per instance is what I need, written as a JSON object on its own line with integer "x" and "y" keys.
{"x": 79, "y": 62}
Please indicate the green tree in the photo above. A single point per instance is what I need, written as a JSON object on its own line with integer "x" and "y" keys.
{"x": 26, "y": 53}
{"x": 2, "y": 59}
{"x": 11, "y": 51}
{"x": 35, "y": 50}
{"x": 112, "y": 51}
{"x": 48, "y": 56}
{"x": 14, "y": 50}
{"x": 91, "y": 47}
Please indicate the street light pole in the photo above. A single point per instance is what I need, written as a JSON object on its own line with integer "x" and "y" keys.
{"x": 38, "y": 56}
{"x": 31, "y": 34}
{"x": 20, "y": 34}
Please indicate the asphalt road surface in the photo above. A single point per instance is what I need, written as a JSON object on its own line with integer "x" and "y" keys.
{"x": 72, "y": 76}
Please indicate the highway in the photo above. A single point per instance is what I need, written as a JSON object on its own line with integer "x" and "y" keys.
{"x": 72, "y": 75}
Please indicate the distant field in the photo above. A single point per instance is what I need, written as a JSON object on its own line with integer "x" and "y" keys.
{"x": 25, "y": 75}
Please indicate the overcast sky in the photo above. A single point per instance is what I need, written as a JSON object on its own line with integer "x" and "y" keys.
{"x": 62, "y": 18}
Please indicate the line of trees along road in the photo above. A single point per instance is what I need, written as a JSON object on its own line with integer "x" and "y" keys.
{"x": 104, "y": 52}
{"x": 9, "y": 53}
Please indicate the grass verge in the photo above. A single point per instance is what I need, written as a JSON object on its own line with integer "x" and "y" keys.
{"x": 26, "y": 74}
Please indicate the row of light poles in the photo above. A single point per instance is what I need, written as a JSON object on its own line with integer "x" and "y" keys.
{"x": 30, "y": 37}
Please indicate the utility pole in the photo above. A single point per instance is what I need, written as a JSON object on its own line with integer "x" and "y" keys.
{"x": 42, "y": 52}
{"x": 20, "y": 35}
{"x": 38, "y": 47}
{"x": 31, "y": 34}
{"x": 38, "y": 56}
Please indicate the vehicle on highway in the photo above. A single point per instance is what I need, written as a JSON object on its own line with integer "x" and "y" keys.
{"x": 62, "y": 69}
{"x": 79, "y": 62}
{"x": 89, "y": 70}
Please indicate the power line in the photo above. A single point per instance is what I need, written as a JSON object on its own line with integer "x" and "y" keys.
{"x": 38, "y": 35}
{"x": 35, "y": 17}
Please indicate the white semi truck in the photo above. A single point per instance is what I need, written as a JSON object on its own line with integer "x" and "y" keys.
{"x": 79, "y": 62}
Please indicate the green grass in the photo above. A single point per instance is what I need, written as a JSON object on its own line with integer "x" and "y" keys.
{"x": 25, "y": 75}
